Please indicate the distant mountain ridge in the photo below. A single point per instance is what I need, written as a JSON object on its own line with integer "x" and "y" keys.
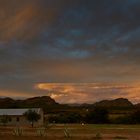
{"x": 120, "y": 102}
{"x": 49, "y": 104}
{"x": 44, "y": 101}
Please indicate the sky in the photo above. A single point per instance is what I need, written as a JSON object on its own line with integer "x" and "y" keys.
{"x": 75, "y": 51}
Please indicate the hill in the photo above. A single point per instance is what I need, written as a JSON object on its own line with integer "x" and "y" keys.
{"x": 117, "y": 103}
{"x": 44, "y": 102}
{"x": 137, "y": 105}
{"x": 39, "y": 101}
{"x": 50, "y": 106}
{"x": 7, "y": 102}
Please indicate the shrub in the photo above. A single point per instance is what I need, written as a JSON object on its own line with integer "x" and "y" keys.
{"x": 98, "y": 116}
{"x": 41, "y": 132}
{"x": 98, "y": 135}
{"x": 4, "y": 119}
{"x": 18, "y": 131}
{"x": 127, "y": 119}
{"x": 66, "y": 118}
{"x": 135, "y": 117}
{"x": 32, "y": 116}
{"x": 67, "y": 133}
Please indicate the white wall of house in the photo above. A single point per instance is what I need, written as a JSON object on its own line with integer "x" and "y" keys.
{"x": 22, "y": 120}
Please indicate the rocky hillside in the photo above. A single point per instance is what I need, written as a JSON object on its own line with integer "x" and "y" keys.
{"x": 49, "y": 105}
{"x": 120, "y": 102}
{"x": 44, "y": 102}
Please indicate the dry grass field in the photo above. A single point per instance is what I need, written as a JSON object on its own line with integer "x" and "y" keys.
{"x": 77, "y": 132}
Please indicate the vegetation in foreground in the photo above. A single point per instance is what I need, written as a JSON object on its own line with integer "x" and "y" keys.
{"x": 74, "y": 132}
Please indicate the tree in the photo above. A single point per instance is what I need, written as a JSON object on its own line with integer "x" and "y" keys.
{"x": 32, "y": 116}
{"x": 135, "y": 117}
{"x": 66, "y": 118}
{"x": 4, "y": 119}
{"x": 74, "y": 118}
{"x": 98, "y": 115}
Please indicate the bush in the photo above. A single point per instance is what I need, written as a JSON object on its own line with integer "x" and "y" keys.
{"x": 41, "y": 132}
{"x": 135, "y": 117}
{"x": 18, "y": 131}
{"x": 66, "y": 118}
{"x": 98, "y": 116}
{"x": 98, "y": 135}
{"x": 4, "y": 119}
{"x": 32, "y": 116}
{"x": 127, "y": 119}
{"x": 67, "y": 133}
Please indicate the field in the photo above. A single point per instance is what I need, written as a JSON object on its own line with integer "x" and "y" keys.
{"x": 76, "y": 131}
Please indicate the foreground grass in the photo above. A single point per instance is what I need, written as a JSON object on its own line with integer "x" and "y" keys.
{"x": 103, "y": 126}
{"x": 77, "y": 132}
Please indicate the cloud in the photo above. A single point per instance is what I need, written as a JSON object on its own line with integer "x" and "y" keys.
{"x": 25, "y": 20}
{"x": 71, "y": 41}
{"x": 15, "y": 94}
{"x": 89, "y": 92}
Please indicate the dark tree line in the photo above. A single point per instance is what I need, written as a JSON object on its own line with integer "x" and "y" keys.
{"x": 98, "y": 115}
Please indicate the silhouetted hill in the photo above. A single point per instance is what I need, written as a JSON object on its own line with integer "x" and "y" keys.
{"x": 137, "y": 105}
{"x": 117, "y": 103}
{"x": 39, "y": 101}
{"x": 50, "y": 106}
{"x": 7, "y": 102}
{"x": 44, "y": 102}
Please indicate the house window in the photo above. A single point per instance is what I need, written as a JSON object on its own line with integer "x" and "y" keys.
{"x": 17, "y": 119}
{"x": 10, "y": 119}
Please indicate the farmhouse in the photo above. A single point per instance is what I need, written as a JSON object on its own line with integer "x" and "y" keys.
{"x": 16, "y": 116}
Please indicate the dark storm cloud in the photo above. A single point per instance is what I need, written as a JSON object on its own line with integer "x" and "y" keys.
{"x": 68, "y": 41}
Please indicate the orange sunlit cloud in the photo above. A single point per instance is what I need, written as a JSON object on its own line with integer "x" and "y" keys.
{"x": 15, "y": 94}
{"x": 89, "y": 92}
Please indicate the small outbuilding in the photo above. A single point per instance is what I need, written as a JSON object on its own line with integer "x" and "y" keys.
{"x": 17, "y": 117}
